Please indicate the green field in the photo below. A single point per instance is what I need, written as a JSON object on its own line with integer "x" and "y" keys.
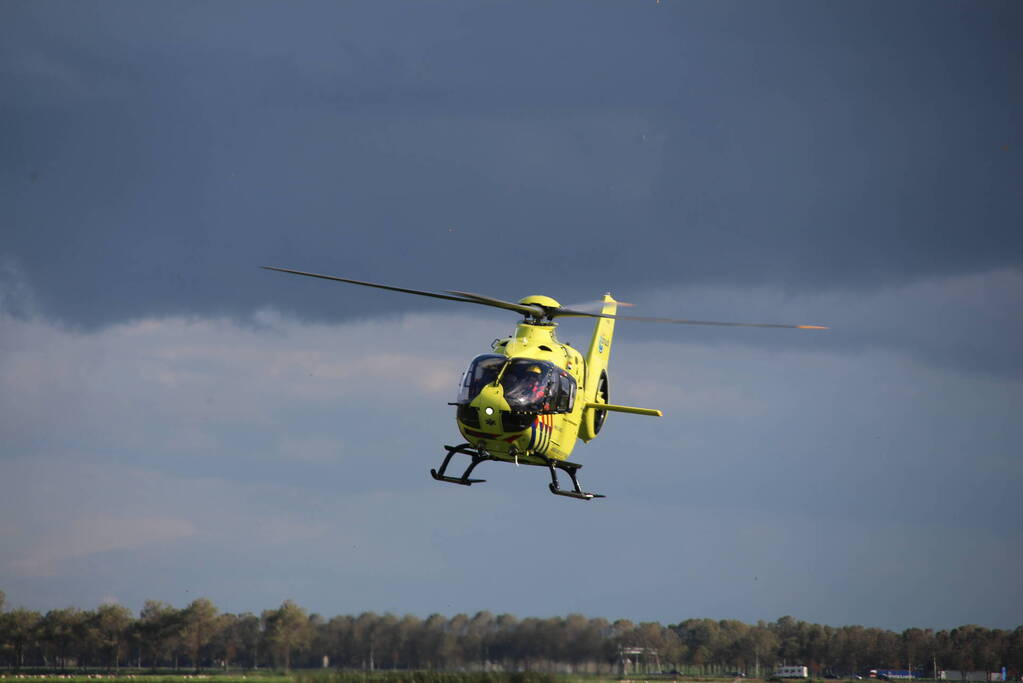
{"x": 320, "y": 676}
{"x": 347, "y": 677}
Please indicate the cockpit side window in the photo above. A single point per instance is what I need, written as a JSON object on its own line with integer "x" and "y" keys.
{"x": 481, "y": 371}
{"x": 566, "y": 392}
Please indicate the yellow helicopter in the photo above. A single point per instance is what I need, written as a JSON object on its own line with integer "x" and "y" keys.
{"x": 532, "y": 396}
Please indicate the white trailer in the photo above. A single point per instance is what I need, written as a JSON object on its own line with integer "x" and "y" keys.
{"x": 952, "y": 675}
{"x": 791, "y": 672}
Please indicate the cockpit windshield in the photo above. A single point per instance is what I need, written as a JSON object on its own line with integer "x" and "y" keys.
{"x": 481, "y": 372}
{"x": 529, "y": 386}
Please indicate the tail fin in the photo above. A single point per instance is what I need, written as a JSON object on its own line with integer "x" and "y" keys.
{"x": 600, "y": 348}
{"x": 596, "y": 386}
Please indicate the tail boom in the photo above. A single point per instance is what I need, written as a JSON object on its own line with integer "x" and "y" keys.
{"x": 624, "y": 409}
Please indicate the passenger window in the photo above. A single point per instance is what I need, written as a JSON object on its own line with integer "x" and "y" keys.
{"x": 566, "y": 393}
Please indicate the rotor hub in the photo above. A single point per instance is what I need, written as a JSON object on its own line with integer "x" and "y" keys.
{"x": 540, "y": 300}
{"x": 545, "y": 306}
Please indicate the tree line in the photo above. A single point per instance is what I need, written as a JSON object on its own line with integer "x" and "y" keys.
{"x": 199, "y": 636}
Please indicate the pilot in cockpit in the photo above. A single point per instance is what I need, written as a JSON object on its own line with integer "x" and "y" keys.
{"x": 533, "y": 383}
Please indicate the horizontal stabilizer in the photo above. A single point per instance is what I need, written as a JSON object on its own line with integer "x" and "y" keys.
{"x": 624, "y": 409}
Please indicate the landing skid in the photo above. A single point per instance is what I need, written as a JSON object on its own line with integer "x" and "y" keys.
{"x": 479, "y": 455}
{"x": 464, "y": 480}
{"x": 570, "y": 468}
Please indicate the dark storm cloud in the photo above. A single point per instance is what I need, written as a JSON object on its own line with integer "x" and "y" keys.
{"x": 153, "y": 156}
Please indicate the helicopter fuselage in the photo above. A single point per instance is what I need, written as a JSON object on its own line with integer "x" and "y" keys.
{"x": 546, "y": 430}
{"x": 532, "y": 398}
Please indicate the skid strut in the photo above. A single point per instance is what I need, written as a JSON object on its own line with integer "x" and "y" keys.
{"x": 479, "y": 455}
{"x": 570, "y": 468}
{"x": 473, "y": 452}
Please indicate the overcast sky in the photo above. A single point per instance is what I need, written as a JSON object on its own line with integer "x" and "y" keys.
{"x": 177, "y": 423}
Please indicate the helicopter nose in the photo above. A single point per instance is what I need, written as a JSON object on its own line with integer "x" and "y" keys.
{"x": 490, "y": 403}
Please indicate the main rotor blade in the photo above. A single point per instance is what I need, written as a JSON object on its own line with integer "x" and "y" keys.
{"x": 720, "y": 324}
{"x": 535, "y": 311}
{"x": 676, "y": 321}
{"x": 594, "y": 306}
{"x": 373, "y": 284}
{"x": 570, "y": 313}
